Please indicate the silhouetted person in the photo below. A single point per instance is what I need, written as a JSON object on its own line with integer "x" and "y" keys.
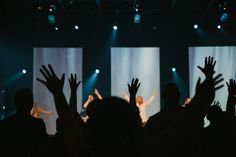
{"x": 22, "y": 133}
{"x": 215, "y": 134}
{"x": 113, "y": 126}
{"x": 161, "y": 120}
{"x": 57, "y": 147}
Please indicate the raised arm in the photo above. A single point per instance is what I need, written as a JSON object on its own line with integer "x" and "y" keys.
{"x": 45, "y": 111}
{"x": 73, "y": 137}
{"x": 187, "y": 125}
{"x": 151, "y": 98}
{"x": 98, "y": 94}
{"x": 89, "y": 100}
{"x": 231, "y": 102}
{"x": 55, "y": 86}
{"x": 73, "y": 96}
{"x": 133, "y": 89}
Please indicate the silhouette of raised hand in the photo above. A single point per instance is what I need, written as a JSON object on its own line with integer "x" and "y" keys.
{"x": 133, "y": 87}
{"x": 205, "y": 91}
{"x": 216, "y": 103}
{"x": 53, "y": 83}
{"x": 73, "y": 82}
{"x": 231, "y": 87}
{"x": 232, "y": 90}
{"x": 209, "y": 66}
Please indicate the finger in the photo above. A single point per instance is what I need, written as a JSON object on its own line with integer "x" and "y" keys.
{"x": 227, "y": 84}
{"x": 138, "y": 85}
{"x": 71, "y": 76}
{"x": 217, "y": 82}
{"x": 219, "y": 87}
{"x": 200, "y": 68}
{"x": 69, "y": 80}
{"x": 214, "y": 64}
{"x": 44, "y": 74}
{"x": 132, "y": 82}
{"x": 217, "y": 77}
{"x": 136, "y": 81}
{"x": 205, "y": 60}
{"x": 63, "y": 78}
{"x": 75, "y": 77}
{"x": 42, "y": 81}
{"x": 129, "y": 87}
{"x": 46, "y": 71}
{"x": 211, "y": 60}
{"x": 51, "y": 70}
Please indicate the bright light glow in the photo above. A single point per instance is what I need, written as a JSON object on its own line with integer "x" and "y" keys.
{"x": 3, "y": 107}
{"x": 115, "y": 27}
{"x": 56, "y": 28}
{"x": 173, "y": 69}
{"x": 97, "y": 71}
{"x": 195, "y": 26}
{"x": 219, "y": 27}
{"x": 24, "y": 71}
{"x": 76, "y": 27}
{"x": 51, "y": 19}
{"x": 137, "y": 18}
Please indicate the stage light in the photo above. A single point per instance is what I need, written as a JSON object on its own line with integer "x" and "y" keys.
{"x": 224, "y": 17}
{"x": 173, "y": 69}
{"x": 115, "y": 27}
{"x": 97, "y": 71}
{"x": 195, "y": 26}
{"x": 218, "y": 26}
{"x": 76, "y": 27}
{"x": 39, "y": 7}
{"x": 137, "y": 18}
{"x": 3, "y": 107}
{"x": 3, "y": 91}
{"x": 24, "y": 71}
{"x": 51, "y": 19}
{"x": 56, "y": 28}
{"x": 52, "y": 8}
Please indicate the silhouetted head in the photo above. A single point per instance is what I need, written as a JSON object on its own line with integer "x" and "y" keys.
{"x": 113, "y": 122}
{"x": 139, "y": 100}
{"x": 215, "y": 114}
{"x": 23, "y": 100}
{"x": 171, "y": 93}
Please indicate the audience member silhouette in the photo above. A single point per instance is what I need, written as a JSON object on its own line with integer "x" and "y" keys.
{"x": 162, "y": 120}
{"x": 56, "y": 143}
{"x": 22, "y": 133}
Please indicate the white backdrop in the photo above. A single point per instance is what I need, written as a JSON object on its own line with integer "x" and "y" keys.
{"x": 63, "y": 60}
{"x": 143, "y": 63}
{"x": 225, "y": 63}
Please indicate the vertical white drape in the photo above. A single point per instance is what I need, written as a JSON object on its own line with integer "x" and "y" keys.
{"x": 144, "y": 63}
{"x": 63, "y": 60}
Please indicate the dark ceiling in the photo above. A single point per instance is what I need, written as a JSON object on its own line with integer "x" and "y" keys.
{"x": 154, "y": 12}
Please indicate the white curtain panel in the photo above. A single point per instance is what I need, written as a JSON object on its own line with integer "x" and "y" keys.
{"x": 63, "y": 60}
{"x": 144, "y": 63}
